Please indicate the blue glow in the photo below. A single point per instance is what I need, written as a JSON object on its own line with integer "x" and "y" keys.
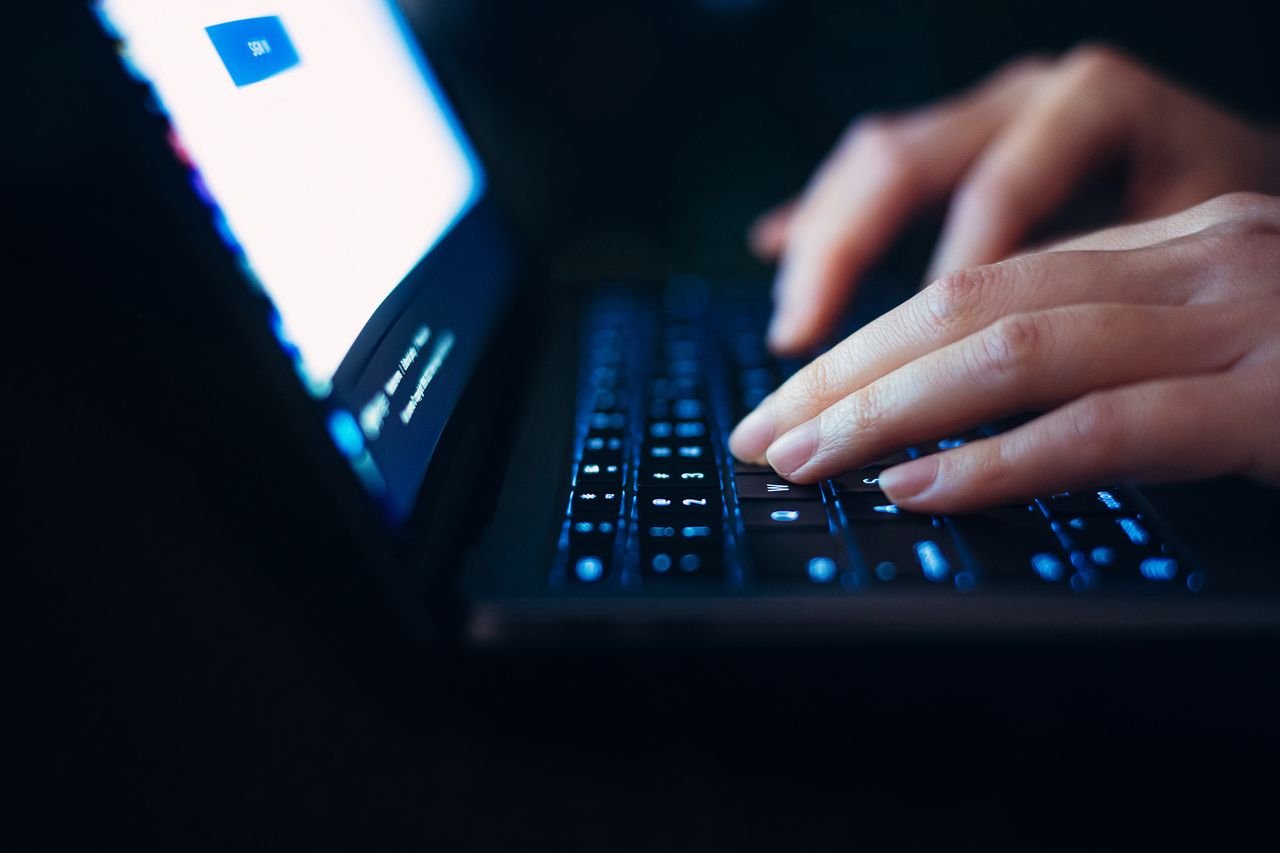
{"x": 1103, "y": 556}
{"x": 951, "y": 443}
{"x": 1195, "y": 581}
{"x": 1048, "y": 566}
{"x": 589, "y": 569}
{"x": 785, "y": 515}
{"x": 1136, "y": 532}
{"x": 690, "y": 562}
{"x": 822, "y": 569}
{"x": 1159, "y": 568}
{"x": 886, "y": 571}
{"x": 1108, "y": 500}
{"x": 932, "y": 560}
{"x": 367, "y": 470}
{"x": 660, "y": 562}
{"x": 345, "y": 432}
{"x": 688, "y": 409}
{"x": 965, "y": 581}
{"x": 697, "y": 532}
{"x": 584, "y": 527}
{"x": 887, "y": 509}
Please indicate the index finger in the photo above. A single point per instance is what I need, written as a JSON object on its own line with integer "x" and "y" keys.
{"x": 954, "y": 307}
{"x": 882, "y": 172}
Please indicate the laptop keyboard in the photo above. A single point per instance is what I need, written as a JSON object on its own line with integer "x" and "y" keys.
{"x": 658, "y": 503}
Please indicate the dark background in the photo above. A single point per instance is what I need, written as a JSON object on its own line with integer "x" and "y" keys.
{"x": 194, "y": 664}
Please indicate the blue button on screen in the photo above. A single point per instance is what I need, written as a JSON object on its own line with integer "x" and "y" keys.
{"x": 253, "y": 49}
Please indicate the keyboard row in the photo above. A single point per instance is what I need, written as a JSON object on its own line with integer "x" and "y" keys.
{"x": 657, "y": 499}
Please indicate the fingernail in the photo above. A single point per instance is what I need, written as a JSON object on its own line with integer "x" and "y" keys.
{"x": 906, "y": 481}
{"x": 790, "y": 452}
{"x": 751, "y": 438}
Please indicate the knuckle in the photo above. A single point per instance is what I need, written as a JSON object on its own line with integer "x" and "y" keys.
{"x": 944, "y": 305}
{"x": 878, "y": 141}
{"x": 1005, "y": 349}
{"x": 1250, "y": 235}
{"x": 814, "y": 384}
{"x": 1097, "y": 64}
{"x": 1249, "y": 206}
{"x": 860, "y": 414}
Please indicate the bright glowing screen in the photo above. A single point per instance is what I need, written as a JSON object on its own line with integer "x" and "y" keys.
{"x": 318, "y": 131}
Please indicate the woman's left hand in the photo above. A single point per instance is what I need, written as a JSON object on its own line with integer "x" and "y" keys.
{"x": 1153, "y": 351}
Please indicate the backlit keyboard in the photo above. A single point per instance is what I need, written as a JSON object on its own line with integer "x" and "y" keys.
{"x": 657, "y": 502}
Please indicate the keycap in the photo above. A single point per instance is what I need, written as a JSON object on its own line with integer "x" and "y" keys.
{"x": 599, "y": 472}
{"x": 1087, "y": 502}
{"x": 772, "y": 487}
{"x": 592, "y": 536}
{"x": 871, "y": 506}
{"x": 950, "y": 443}
{"x": 688, "y": 409}
{"x": 914, "y": 549}
{"x": 681, "y": 556}
{"x": 798, "y": 556}
{"x": 588, "y": 568}
{"x": 675, "y": 474}
{"x": 609, "y": 401}
{"x": 690, "y": 429}
{"x": 1118, "y": 546}
{"x": 677, "y": 431}
{"x": 740, "y": 467}
{"x": 861, "y": 480}
{"x": 667, "y": 388}
{"x": 600, "y": 421}
{"x": 595, "y": 503}
{"x": 610, "y": 442}
{"x": 1012, "y": 543}
{"x": 682, "y": 502}
{"x": 782, "y": 515}
{"x": 699, "y": 532}
{"x": 678, "y": 449}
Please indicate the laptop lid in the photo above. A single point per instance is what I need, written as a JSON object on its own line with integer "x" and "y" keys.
{"x": 339, "y": 178}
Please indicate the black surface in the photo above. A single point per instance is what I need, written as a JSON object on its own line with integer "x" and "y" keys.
{"x": 193, "y": 665}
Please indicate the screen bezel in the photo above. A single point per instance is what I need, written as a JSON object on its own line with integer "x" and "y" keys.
{"x": 476, "y": 234}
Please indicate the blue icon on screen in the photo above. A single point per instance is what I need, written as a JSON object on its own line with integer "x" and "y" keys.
{"x": 253, "y": 49}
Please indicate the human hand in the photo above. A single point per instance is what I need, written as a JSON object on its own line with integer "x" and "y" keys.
{"x": 1009, "y": 154}
{"x": 1153, "y": 349}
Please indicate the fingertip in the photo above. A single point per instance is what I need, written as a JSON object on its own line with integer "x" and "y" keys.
{"x": 911, "y": 483}
{"x": 767, "y": 235}
{"x": 781, "y": 337}
{"x": 753, "y": 435}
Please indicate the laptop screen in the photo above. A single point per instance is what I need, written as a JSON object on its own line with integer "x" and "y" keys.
{"x": 333, "y": 167}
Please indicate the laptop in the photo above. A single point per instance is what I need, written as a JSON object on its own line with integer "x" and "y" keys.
{"x": 528, "y": 463}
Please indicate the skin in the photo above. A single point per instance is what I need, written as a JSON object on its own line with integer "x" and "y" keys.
{"x": 1151, "y": 349}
